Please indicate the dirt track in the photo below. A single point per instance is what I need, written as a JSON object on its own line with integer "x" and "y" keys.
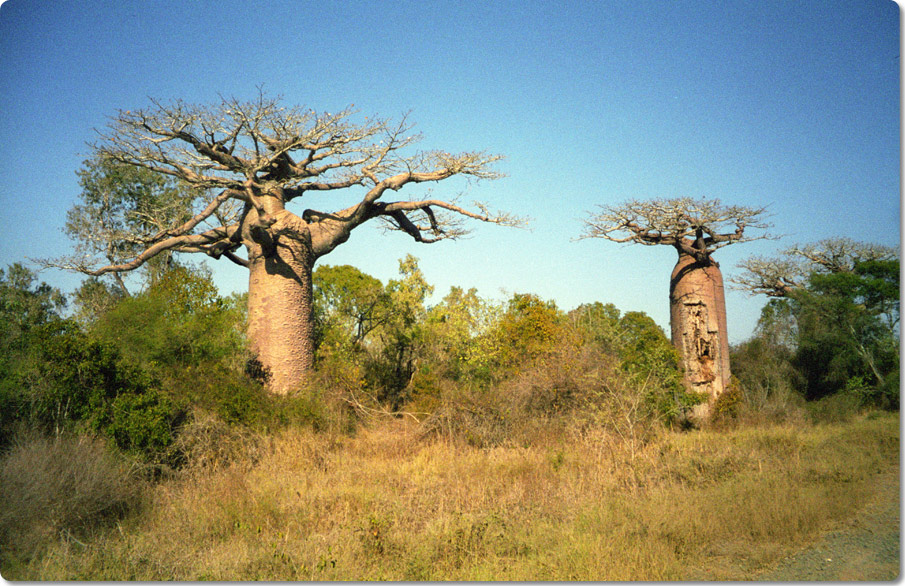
{"x": 866, "y": 548}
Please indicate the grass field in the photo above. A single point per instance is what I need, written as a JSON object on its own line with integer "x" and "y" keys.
{"x": 392, "y": 504}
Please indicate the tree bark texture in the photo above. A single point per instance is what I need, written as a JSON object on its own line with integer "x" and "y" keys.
{"x": 698, "y": 323}
{"x": 280, "y": 302}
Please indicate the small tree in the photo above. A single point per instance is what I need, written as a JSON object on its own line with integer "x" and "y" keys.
{"x": 695, "y": 229}
{"x": 122, "y": 205}
{"x": 348, "y": 304}
{"x": 244, "y": 163}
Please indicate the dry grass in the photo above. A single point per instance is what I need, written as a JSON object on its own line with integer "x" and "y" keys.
{"x": 64, "y": 487}
{"x": 390, "y": 504}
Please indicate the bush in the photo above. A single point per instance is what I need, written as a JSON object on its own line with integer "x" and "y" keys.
{"x": 643, "y": 353}
{"x": 80, "y": 381}
{"x": 180, "y": 321}
{"x": 142, "y": 423}
{"x": 207, "y": 442}
{"x": 571, "y": 388}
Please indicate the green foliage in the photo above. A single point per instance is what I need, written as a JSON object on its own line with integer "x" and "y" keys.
{"x": 26, "y": 306}
{"x": 514, "y": 336}
{"x": 768, "y": 380}
{"x": 401, "y": 336}
{"x": 142, "y": 423}
{"x": 455, "y": 346}
{"x": 777, "y": 326}
{"x": 643, "y": 351}
{"x": 94, "y": 298}
{"x": 180, "y": 321}
{"x": 529, "y": 327}
{"x": 838, "y": 335}
{"x": 348, "y": 304}
{"x": 123, "y": 207}
{"x": 847, "y": 329}
{"x": 77, "y": 380}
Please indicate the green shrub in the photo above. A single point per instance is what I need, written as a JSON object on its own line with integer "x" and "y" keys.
{"x": 180, "y": 321}
{"x": 142, "y": 423}
{"x": 81, "y": 381}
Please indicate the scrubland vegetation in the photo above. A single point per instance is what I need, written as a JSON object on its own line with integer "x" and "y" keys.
{"x": 467, "y": 440}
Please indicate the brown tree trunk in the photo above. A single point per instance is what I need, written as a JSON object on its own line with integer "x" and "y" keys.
{"x": 280, "y": 303}
{"x": 698, "y": 322}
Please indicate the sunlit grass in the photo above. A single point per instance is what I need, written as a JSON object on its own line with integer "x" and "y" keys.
{"x": 388, "y": 504}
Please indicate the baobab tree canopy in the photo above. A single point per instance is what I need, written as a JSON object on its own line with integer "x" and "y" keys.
{"x": 695, "y": 229}
{"x": 244, "y": 162}
{"x": 788, "y": 271}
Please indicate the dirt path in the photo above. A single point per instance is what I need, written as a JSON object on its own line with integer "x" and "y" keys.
{"x": 866, "y": 548}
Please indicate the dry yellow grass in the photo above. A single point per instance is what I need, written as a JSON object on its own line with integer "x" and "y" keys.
{"x": 386, "y": 505}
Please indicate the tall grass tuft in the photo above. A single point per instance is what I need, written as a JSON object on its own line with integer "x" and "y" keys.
{"x": 61, "y": 488}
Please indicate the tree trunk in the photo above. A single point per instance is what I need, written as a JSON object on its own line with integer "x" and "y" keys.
{"x": 280, "y": 303}
{"x": 698, "y": 322}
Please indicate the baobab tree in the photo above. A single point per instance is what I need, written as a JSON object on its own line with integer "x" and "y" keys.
{"x": 843, "y": 300}
{"x": 783, "y": 274}
{"x": 695, "y": 229}
{"x": 245, "y": 162}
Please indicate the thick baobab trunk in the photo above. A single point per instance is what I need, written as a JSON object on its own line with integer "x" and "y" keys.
{"x": 698, "y": 322}
{"x": 280, "y": 318}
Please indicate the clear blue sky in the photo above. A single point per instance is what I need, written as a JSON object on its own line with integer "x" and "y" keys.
{"x": 793, "y": 104}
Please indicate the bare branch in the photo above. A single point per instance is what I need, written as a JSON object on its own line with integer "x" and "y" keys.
{"x": 776, "y": 277}
{"x": 204, "y": 242}
{"x": 696, "y": 227}
{"x": 779, "y": 276}
{"x": 265, "y": 155}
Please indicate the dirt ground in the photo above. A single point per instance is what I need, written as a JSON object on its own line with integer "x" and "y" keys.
{"x": 865, "y": 548}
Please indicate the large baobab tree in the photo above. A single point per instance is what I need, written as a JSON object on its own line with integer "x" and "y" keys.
{"x": 245, "y": 162}
{"x": 695, "y": 229}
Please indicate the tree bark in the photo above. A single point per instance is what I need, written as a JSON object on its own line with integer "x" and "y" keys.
{"x": 280, "y": 301}
{"x": 699, "y": 333}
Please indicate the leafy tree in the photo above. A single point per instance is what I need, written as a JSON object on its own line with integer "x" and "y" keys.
{"x": 841, "y": 301}
{"x": 791, "y": 269}
{"x": 695, "y": 229}
{"x": 768, "y": 379}
{"x": 246, "y": 162}
{"x": 78, "y": 380}
{"x": 847, "y": 329}
{"x": 401, "y": 337}
{"x": 25, "y": 307}
{"x": 599, "y": 324}
{"x": 525, "y": 328}
{"x": 348, "y": 304}
{"x": 644, "y": 353}
{"x": 123, "y": 208}
{"x": 95, "y": 297}
{"x": 179, "y": 322}
{"x": 453, "y": 330}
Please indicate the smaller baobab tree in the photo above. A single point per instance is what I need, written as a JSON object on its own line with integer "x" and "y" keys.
{"x": 842, "y": 297}
{"x": 695, "y": 229}
{"x": 789, "y": 271}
